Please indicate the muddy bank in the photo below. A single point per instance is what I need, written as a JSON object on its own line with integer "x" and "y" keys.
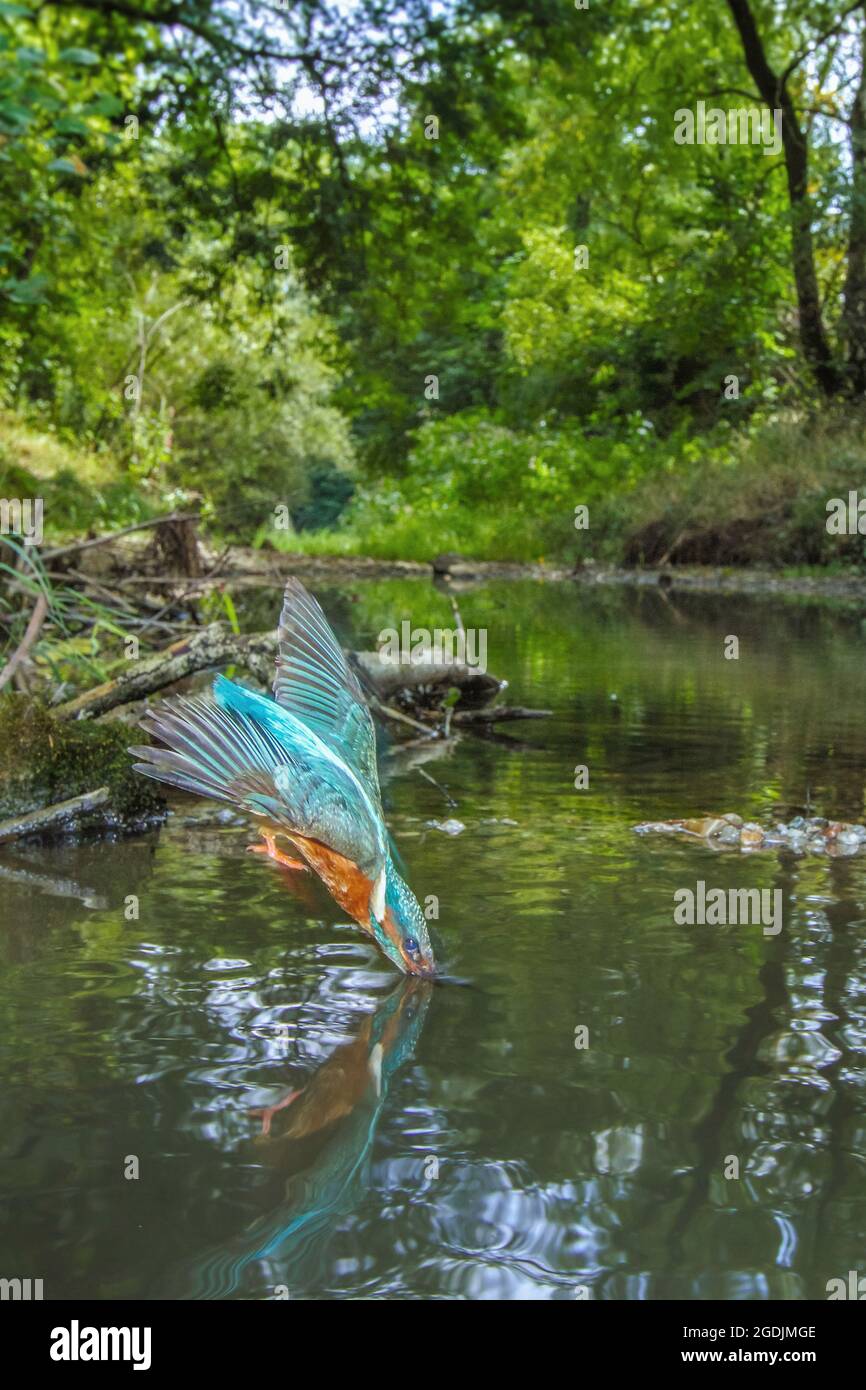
{"x": 711, "y": 579}
{"x": 139, "y": 563}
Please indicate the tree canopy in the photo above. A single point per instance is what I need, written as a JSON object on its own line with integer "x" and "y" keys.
{"x": 249, "y": 247}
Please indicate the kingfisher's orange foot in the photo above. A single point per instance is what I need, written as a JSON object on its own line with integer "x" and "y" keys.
{"x": 270, "y": 849}
{"x": 269, "y": 1111}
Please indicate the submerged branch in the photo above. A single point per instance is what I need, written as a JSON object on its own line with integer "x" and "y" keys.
{"x": 62, "y": 816}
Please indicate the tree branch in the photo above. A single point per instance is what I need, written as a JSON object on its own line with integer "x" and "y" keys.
{"x": 821, "y": 39}
{"x": 37, "y": 618}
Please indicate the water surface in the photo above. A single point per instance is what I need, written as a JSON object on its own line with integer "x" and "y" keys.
{"x": 454, "y": 1142}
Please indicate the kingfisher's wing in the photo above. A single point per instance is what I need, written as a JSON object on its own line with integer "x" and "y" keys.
{"x": 244, "y": 748}
{"x": 315, "y": 683}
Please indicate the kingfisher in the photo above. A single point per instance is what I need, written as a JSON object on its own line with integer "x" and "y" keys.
{"x": 303, "y": 762}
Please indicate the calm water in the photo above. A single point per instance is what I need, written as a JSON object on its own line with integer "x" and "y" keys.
{"x": 453, "y": 1142}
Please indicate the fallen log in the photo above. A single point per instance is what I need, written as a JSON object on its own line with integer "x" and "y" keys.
{"x": 498, "y": 714}
{"x": 77, "y": 546}
{"x": 210, "y": 646}
{"x": 64, "y": 815}
{"x": 74, "y": 748}
{"x": 422, "y": 686}
{"x": 428, "y": 680}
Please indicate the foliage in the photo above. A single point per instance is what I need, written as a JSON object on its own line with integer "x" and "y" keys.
{"x": 247, "y": 252}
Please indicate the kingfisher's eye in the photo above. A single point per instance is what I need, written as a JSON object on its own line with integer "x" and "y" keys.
{"x": 411, "y": 945}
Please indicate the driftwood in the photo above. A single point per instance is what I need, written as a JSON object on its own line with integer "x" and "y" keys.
{"x": 418, "y": 678}
{"x": 423, "y": 685}
{"x": 210, "y": 646}
{"x": 62, "y": 816}
{"x": 419, "y": 695}
{"x": 497, "y": 714}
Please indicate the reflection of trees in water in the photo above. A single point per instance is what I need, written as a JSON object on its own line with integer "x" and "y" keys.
{"x": 793, "y": 1147}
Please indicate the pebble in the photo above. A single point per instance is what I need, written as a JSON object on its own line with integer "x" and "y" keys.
{"x": 448, "y": 827}
{"x": 751, "y": 835}
{"x": 817, "y": 835}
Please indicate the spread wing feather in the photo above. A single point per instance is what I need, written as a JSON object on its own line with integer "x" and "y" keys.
{"x": 244, "y": 749}
{"x": 315, "y": 683}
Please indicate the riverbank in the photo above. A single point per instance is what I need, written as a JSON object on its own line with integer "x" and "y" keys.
{"x": 781, "y": 500}
{"x": 135, "y": 559}
{"x": 245, "y": 565}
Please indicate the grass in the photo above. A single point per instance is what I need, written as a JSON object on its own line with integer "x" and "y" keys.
{"x": 82, "y": 489}
{"x": 763, "y": 502}
{"x": 419, "y": 537}
{"x": 755, "y": 499}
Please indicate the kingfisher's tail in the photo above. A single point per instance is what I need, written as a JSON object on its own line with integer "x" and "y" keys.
{"x": 215, "y": 747}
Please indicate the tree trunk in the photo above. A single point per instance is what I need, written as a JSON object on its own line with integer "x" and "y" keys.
{"x": 175, "y": 545}
{"x": 773, "y": 90}
{"x": 854, "y": 313}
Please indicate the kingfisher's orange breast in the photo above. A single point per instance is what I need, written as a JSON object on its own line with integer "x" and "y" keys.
{"x": 344, "y": 880}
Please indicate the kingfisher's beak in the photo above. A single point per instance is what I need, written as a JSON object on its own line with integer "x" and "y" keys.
{"x": 417, "y": 965}
{"x": 420, "y": 969}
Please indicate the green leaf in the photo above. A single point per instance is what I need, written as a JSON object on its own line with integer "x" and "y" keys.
{"x": 63, "y": 166}
{"x": 231, "y": 613}
{"x": 72, "y": 125}
{"x": 13, "y": 118}
{"x": 84, "y": 57}
{"x": 30, "y": 291}
{"x": 10, "y": 11}
{"x": 103, "y": 104}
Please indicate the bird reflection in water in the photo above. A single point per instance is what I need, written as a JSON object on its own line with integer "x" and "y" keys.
{"x": 319, "y": 1140}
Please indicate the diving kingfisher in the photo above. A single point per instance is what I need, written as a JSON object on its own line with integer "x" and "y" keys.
{"x": 304, "y": 763}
